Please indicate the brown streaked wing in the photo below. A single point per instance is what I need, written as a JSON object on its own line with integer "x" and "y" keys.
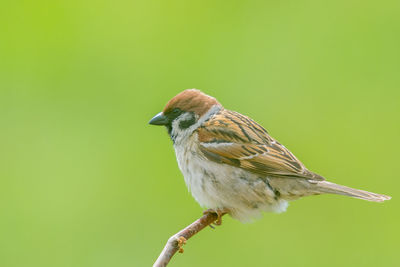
{"x": 235, "y": 139}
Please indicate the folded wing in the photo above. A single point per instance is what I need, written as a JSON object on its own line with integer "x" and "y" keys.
{"x": 237, "y": 140}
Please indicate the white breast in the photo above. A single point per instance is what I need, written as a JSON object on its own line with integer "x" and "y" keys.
{"x": 221, "y": 186}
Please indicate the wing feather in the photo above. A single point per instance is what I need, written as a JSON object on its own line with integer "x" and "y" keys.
{"x": 237, "y": 140}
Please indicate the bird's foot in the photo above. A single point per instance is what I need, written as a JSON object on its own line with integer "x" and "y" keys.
{"x": 219, "y": 212}
{"x": 180, "y": 242}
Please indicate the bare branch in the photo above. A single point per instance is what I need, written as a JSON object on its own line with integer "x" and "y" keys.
{"x": 176, "y": 241}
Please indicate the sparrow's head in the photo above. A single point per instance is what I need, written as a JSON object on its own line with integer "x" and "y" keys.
{"x": 189, "y": 108}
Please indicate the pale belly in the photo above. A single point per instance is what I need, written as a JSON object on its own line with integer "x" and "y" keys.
{"x": 221, "y": 186}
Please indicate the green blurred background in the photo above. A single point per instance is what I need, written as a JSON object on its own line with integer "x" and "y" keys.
{"x": 85, "y": 181}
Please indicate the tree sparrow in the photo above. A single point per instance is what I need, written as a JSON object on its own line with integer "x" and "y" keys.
{"x": 231, "y": 164}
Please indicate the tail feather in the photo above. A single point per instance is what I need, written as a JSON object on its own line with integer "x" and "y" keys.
{"x": 331, "y": 188}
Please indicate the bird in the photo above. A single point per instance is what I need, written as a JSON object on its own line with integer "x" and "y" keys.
{"x": 231, "y": 165}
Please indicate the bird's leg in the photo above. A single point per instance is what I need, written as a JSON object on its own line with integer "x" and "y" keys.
{"x": 219, "y": 212}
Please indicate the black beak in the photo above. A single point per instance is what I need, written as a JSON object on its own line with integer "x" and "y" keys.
{"x": 159, "y": 119}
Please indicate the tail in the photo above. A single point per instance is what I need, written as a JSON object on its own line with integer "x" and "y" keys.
{"x": 331, "y": 188}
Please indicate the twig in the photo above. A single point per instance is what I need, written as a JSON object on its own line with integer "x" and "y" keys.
{"x": 176, "y": 241}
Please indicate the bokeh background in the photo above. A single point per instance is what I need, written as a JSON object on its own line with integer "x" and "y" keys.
{"x": 85, "y": 181}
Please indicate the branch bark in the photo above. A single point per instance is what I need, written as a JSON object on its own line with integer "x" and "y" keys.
{"x": 176, "y": 241}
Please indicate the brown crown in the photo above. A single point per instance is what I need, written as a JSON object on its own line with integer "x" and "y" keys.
{"x": 191, "y": 100}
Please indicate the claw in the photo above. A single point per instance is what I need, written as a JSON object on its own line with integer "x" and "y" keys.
{"x": 219, "y": 213}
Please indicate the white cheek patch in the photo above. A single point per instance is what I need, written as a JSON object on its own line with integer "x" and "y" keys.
{"x": 178, "y": 134}
{"x": 186, "y": 117}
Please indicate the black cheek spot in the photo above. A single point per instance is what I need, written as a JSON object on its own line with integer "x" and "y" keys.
{"x": 187, "y": 123}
